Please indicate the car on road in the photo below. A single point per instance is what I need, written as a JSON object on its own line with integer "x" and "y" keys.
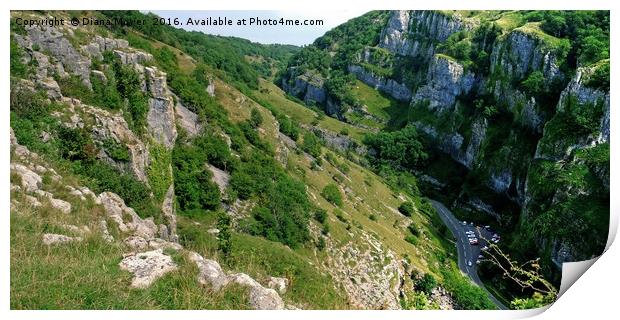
{"x": 473, "y": 241}
{"x": 469, "y": 232}
{"x": 469, "y": 263}
{"x": 471, "y": 235}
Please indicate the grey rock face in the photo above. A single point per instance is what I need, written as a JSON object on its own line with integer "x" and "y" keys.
{"x": 169, "y": 213}
{"x": 116, "y": 210}
{"x": 161, "y": 115}
{"x": 446, "y": 81}
{"x": 308, "y": 86}
{"x": 51, "y": 40}
{"x": 187, "y": 119}
{"x": 522, "y": 53}
{"x": 407, "y": 31}
{"x": 478, "y": 133}
{"x": 111, "y": 126}
{"x": 100, "y": 44}
{"x": 397, "y": 90}
{"x": 500, "y": 181}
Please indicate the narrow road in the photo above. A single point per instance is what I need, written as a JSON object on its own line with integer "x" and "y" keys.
{"x": 466, "y": 252}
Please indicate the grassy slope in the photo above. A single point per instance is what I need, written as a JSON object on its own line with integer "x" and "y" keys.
{"x": 361, "y": 201}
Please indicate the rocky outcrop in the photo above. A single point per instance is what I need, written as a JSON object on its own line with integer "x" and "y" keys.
{"x": 414, "y": 33}
{"x": 523, "y": 52}
{"x": 187, "y": 119}
{"x": 397, "y": 90}
{"x": 99, "y": 45}
{"x": 110, "y": 126}
{"x": 52, "y": 40}
{"x": 126, "y": 219}
{"x": 147, "y": 267}
{"x": 308, "y": 87}
{"x": 220, "y": 177}
{"x": 446, "y": 80}
{"x": 210, "y": 273}
{"x": 161, "y": 115}
{"x": 168, "y": 231}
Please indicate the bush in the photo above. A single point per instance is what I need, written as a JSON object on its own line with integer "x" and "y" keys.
{"x": 398, "y": 149}
{"x": 465, "y": 293}
{"x": 406, "y": 208}
{"x": 256, "y": 119}
{"x": 193, "y": 185}
{"x": 320, "y": 215}
{"x": 412, "y": 239}
{"x": 311, "y": 144}
{"x": 116, "y": 151}
{"x": 413, "y": 229}
{"x": 534, "y": 84}
{"x": 331, "y": 193}
{"x": 426, "y": 284}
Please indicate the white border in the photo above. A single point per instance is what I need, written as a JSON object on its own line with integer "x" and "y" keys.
{"x": 595, "y": 293}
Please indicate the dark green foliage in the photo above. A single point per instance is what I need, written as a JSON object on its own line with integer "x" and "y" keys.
{"x": 320, "y": 215}
{"x": 600, "y": 78}
{"x": 339, "y": 87}
{"x": 283, "y": 212}
{"x": 73, "y": 86}
{"x": 116, "y": 151}
{"x": 103, "y": 177}
{"x": 288, "y": 127}
{"x": 399, "y": 149}
{"x": 76, "y": 144}
{"x": 193, "y": 185}
{"x": 535, "y": 83}
{"x": 413, "y": 229}
{"x": 426, "y": 284}
{"x": 256, "y": 119}
{"x": 311, "y": 144}
{"x": 588, "y": 32}
{"x": 216, "y": 150}
{"x": 331, "y": 193}
{"x": 406, "y": 208}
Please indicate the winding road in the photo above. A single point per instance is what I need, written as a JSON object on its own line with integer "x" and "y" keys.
{"x": 466, "y": 252}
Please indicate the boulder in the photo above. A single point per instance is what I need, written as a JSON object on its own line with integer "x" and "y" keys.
{"x": 62, "y": 205}
{"x": 147, "y": 267}
{"x": 52, "y": 239}
{"x": 209, "y": 272}
{"x": 29, "y": 179}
